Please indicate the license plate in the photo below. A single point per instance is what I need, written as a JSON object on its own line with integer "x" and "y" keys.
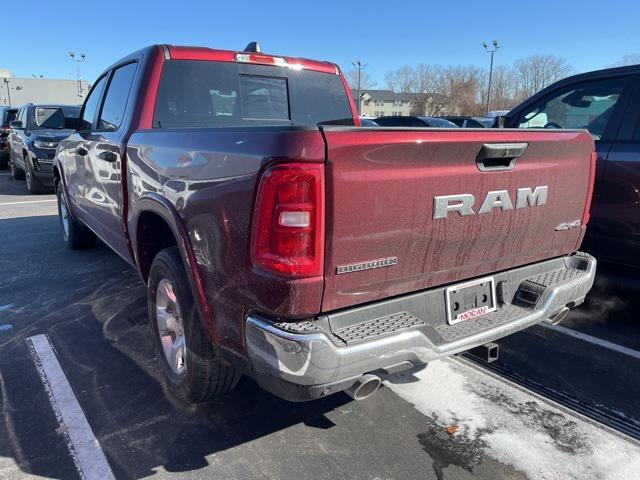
{"x": 470, "y": 300}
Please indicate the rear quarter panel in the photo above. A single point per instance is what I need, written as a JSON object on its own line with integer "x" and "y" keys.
{"x": 210, "y": 176}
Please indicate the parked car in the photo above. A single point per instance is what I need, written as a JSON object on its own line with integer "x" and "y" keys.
{"x": 469, "y": 122}
{"x": 398, "y": 121}
{"x": 367, "y": 122}
{"x": 7, "y": 114}
{"x": 34, "y": 137}
{"x": 607, "y": 103}
{"x": 279, "y": 240}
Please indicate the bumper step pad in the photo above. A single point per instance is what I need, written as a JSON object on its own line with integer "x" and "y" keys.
{"x": 504, "y": 314}
{"x": 445, "y": 333}
{"x": 374, "y": 328}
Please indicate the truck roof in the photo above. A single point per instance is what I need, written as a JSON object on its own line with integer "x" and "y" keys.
{"x": 181, "y": 52}
{"x": 204, "y": 53}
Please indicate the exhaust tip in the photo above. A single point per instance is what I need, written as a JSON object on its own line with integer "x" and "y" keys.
{"x": 558, "y": 317}
{"x": 364, "y": 387}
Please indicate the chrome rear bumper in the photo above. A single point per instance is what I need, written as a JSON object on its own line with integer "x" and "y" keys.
{"x": 315, "y": 361}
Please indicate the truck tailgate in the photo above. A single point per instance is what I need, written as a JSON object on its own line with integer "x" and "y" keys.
{"x": 382, "y": 237}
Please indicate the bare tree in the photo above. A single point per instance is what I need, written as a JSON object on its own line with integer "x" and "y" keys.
{"x": 537, "y": 71}
{"x": 428, "y": 90}
{"x": 400, "y": 80}
{"x": 464, "y": 87}
{"x": 503, "y": 88}
{"x": 366, "y": 81}
{"x": 631, "y": 59}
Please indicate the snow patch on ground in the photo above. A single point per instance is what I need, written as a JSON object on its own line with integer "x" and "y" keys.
{"x": 515, "y": 427}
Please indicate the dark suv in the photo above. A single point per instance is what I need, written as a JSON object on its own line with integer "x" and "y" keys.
{"x": 7, "y": 115}
{"x": 421, "y": 122}
{"x": 607, "y": 103}
{"x": 33, "y": 140}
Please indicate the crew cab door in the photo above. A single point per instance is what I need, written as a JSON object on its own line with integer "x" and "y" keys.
{"x": 99, "y": 160}
{"x": 16, "y": 140}
{"x": 619, "y": 229}
{"x": 596, "y": 105}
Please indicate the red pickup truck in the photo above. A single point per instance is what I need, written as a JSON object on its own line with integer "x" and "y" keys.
{"x": 281, "y": 240}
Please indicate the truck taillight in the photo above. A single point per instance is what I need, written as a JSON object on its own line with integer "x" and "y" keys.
{"x": 288, "y": 225}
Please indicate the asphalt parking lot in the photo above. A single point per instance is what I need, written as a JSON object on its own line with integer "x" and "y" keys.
{"x": 530, "y": 417}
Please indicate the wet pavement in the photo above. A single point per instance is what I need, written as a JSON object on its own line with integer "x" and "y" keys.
{"x": 450, "y": 420}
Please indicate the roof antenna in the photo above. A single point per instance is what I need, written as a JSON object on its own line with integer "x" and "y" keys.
{"x": 253, "y": 47}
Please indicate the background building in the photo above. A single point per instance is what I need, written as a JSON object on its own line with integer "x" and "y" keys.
{"x": 17, "y": 91}
{"x": 383, "y": 103}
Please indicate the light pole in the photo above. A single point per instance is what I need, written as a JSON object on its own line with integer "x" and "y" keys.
{"x": 6, "y": 82}
{"x": 358, "y": 65}
{"x": 491, "y": 51}
{"x": 78, "y": 76}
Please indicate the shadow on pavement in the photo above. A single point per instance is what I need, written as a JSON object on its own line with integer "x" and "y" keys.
{"x": 93, "y": 308}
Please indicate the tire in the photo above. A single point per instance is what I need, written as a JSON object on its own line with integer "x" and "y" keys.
{"x": 16, "y": 173}
{"x": 74, "y": 234}
{"x": 34, "y": 185}
{"x": 199, "y": 373}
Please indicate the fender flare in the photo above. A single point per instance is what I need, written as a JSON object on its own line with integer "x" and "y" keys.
{"x": 152, "y": 202}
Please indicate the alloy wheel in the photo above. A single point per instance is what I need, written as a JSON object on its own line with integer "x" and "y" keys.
{"x": 64, "y": 216}
{"x": 171, "y": 327}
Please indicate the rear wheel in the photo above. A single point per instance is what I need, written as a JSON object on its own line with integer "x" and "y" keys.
{"x": 75, "y": 235}
{"x": 34, "y": 185}
{"x": 192, "y": 365}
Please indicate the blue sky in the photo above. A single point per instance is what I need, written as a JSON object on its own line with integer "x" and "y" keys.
{"x": 385, "y": 35}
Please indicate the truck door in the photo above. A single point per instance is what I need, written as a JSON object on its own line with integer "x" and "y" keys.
{"x": 620, "y": 191}
{"x": 101, "y": 149}
{"x": 16, "y": 140}
{"x": 596, "y": 105}
{"x": 77, "y": 150}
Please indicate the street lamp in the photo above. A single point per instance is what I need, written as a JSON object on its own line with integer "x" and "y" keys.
{"x": 78, "y": 76}
{"x": 6, "y": 82}
{"x": 358, "y": 65}
{"x": 490, "y": 50}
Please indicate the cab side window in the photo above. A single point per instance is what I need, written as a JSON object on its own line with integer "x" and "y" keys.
{"x": 88, "y": 121}
{"x": 585, "y": 105}
{"x": 115, "y": 101}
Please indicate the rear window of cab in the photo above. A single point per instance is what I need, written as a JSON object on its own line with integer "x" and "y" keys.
{"x": 206, "y": 94}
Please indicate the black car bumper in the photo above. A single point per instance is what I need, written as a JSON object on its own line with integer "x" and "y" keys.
{"x": 43, "y": 170}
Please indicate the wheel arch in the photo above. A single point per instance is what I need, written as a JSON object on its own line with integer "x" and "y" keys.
{"x": 156, "y": 225}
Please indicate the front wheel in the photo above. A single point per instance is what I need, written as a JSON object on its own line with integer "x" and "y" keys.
{"x": 34, "y": 185}
{"x": 194, "y": 369}
{"x": 16, "y": 173}
{"x": 75, "y": 235}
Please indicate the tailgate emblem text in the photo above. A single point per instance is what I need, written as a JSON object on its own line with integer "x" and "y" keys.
{"x": 462, "y": 204}
{"x": 357, "y": 267}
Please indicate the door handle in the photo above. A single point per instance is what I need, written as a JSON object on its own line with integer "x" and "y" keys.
{"x": 108, "y": 156}
{"x": 82, "y": 151}
{"x": 499, "y": 156}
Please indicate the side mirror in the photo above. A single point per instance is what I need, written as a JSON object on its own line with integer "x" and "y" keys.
{"x": 16, "y": 124}
{"x": 499, "y": 121}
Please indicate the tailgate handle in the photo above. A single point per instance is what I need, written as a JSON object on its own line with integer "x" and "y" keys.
{"x": 499, "y": 156}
